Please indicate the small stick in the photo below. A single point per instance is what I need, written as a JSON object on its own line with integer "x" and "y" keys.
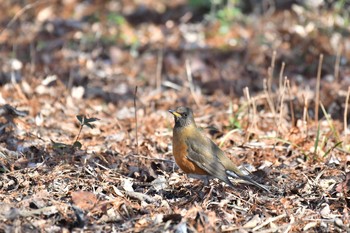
{"x": 136, "y": 128}
{"x": 318, "y": 87}
{"x": 337, "y": 63}
{"x": 291, "y": 105}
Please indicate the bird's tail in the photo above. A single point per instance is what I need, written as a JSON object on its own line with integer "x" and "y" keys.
{"x": 248, "y": 179}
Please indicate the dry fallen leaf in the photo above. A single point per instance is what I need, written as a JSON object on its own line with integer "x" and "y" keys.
{"x": 344, "y": 186}
{"x": 84, "y": 200}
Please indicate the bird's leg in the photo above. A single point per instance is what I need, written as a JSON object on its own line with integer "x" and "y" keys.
{"x": 202, "y": 190}
{"x": 204, "y": 178}
{"x": 206, "y": 181}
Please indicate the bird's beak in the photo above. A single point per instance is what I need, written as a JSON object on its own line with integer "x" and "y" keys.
{"x": 176, "y": 114}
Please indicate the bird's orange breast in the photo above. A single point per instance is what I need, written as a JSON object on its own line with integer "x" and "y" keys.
{"x": 180, "y": 153}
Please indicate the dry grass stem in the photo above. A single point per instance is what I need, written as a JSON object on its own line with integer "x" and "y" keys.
{"x": 226, "y": 136}
{"x": 346, "y": 117}
{"x": 247, "y": 97}
{"x": 267, "y": 83}
{"x": 159, "y": 68}
{"x": 305, "y": 115}
{"x": 268, "y": 221}
{"x": 269, "y": 99}
{"x": 318, "y": 83}
{"x": 270, "y": 71}
{"x": 291, "y": 105}
{"x": 252, "y": 115}
{"x": 136, "y": 125}
{"x": 190, "y": 81}
{"x": 280, "y": 120}
{"x": 280, "y": 82}
{"x": 337, "y": 63}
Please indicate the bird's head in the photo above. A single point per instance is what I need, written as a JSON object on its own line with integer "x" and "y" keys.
{"x": 183, "y": 116}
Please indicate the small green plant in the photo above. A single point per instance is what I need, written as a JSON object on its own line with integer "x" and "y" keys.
{"x": 226, "y": 16}
{"x": 63, "y": 148}
{"x": 116, "y": 18}
{"x": 332, "y": 148}
{"x": 330, "y": 123}
{"x": 340, "y": 10}
{"x": 224, "y": 12}
{"x": 334, "y": 132}
{"x": 234, "y": 121}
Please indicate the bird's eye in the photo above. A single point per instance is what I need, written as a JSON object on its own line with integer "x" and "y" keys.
{"x": 184, "y": 114}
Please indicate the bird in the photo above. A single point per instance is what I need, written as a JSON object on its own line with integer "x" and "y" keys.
{"x": 199, "y": 157}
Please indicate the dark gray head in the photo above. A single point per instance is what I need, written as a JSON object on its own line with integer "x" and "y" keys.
{"x": 183, "y": 116}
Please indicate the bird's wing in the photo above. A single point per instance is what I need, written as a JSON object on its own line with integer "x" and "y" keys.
{"x": 202, "y": 151}
{"x": 208, "y": 156}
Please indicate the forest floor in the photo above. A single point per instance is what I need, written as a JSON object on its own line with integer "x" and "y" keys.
{"x": 86, "y": 136}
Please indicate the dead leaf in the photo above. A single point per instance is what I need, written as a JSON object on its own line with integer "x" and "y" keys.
{"x": 84, "y": 200}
